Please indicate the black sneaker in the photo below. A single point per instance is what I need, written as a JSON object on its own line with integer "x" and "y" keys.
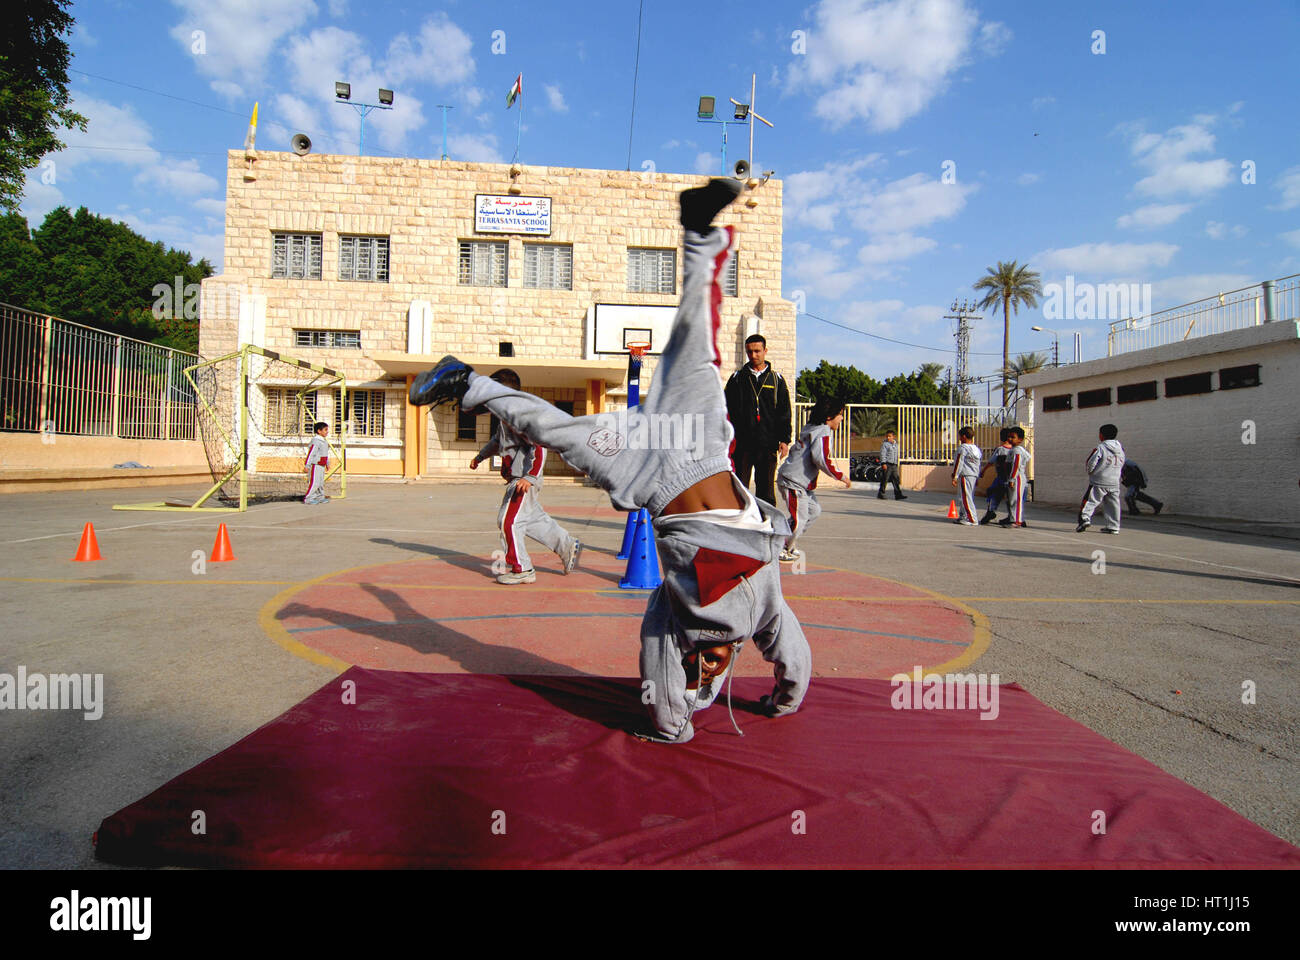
{"x": 1158, "y": 508}
{"x": 1083, "y": 525}
{"x": 880, "y": 496}
{"x": 901, "y": 497}
{"x": 988, "y": 518}
{"x": 445, "y": 383}
{"x": 701, "y": 204}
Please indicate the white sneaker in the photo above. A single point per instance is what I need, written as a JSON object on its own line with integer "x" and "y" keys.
{"x": 523, "y": 576}
{"x": 571, "y": 558}
{"x": 790, "y": 556}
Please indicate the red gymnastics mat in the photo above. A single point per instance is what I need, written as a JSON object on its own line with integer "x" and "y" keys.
{"x": 445, "y": 770}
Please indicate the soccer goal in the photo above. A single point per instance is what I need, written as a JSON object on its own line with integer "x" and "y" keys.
{"x": 255, "y": 410}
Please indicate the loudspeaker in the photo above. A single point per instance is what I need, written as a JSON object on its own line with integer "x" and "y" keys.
{"x": 301, "y": 144}
{"x": 741, "y": 170}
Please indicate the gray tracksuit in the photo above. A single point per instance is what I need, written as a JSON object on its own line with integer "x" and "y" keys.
{"x": 521, "y": 514}
{"x": 649, "y": 468}
{"x": 797, "y": 478}
{"x": 318, "y": 455}
{"x": 966, "y": 468}
{"x": 1105, "y": 464}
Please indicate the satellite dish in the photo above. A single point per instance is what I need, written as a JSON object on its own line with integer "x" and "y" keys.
{"x": 301, "y": 144}
{"x": 741, "y": 170}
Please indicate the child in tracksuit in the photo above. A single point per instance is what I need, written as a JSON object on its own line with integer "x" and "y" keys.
{"x": 797, "y": 478}
{"x": 1018, "y": 478}
{"x": 317, "y": 465}
{"x": 521, "y": 513}
{"x": 965, "y": 471}
{"x": 1000, "y": 462}
{"x": 717, "y": 543}
{"x": 1105, "y": 465}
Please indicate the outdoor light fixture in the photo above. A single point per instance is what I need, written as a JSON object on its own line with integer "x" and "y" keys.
{"x": 343, "y": 90}
{"x": 343, "y": 95}
{"x": 386, "y": 96}
{"x": 706, "y": 108}
{"x": 742, "y": 110}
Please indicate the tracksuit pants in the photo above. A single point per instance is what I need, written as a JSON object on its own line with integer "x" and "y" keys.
{"x": 966, "y": 511}
{"x": 1107, "y": 498}
{"x": 521, "y": 516}
{"x": 804, "y": 509}
{"x": 316, "y": 483}
{"x": 722, "y": 584}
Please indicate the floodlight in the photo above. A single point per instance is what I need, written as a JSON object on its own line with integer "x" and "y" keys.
{"x": 706, "y": 108}
{"x": 343, "y": 90}
{"x": 386, "y": 96}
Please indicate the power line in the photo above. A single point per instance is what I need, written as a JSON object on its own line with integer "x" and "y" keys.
{"x": 636, "y": 72}
{"x": 903, "y": 343}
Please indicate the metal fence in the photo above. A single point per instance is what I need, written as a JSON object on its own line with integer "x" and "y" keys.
{"x": 65, "y": 378}
{"x": 1233, "y": 310}
{"x": 925, "y": 434}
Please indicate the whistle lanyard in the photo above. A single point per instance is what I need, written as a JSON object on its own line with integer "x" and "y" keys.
{"x": 758, "y": 413}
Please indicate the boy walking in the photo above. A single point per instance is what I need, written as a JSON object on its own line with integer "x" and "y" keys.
{"x": 1018, "y": 479}
{"x": 317, "y": 465}
{"x": 718, "y": 544}
{"x": 1001, "y": 464}
{"x": 797, "y": 478}
{"x": 1134, "y": 480}
{"x": 521, "y": 513}
{"x": 965, "y": 471}
{"x": 889, "y": 461}
{"x": 1105, "y": 465}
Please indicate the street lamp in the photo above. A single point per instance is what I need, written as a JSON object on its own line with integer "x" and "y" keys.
{"x": 742, "y": 113}
{"x": 1056, "y": 344}
{"x": 343, "y": 95}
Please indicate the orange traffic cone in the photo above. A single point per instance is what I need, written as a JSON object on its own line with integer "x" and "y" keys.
{"x": 89, "y": 549}
{"x": 221, "y": 548}
{"x": 952, "y": 510}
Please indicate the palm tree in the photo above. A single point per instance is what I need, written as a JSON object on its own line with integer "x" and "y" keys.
{"x": 871, "y": 422}
{"x": 931, "y": 370}
{"x": 1009, "y": 286}
{"x": 1023, "y": 365}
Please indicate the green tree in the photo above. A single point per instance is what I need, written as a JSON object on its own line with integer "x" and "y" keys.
{"x": 33, "y": 90}
{"x": 848, "y": 384}
{"x": 911, "y": 388}
{"x": 1008, "y": 286}
{"x": 872, "y": 422}
{"x": 931, "y": 370}
{"x": 1024, "y": 364}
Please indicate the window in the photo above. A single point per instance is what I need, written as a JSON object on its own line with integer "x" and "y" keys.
{"x": 548, "y": 265}
{"x": 467, "y": 426}
{"x": 289, "y": 412}
{"x": 328, "y": 339}
{"x": 1136, "y": 392}
{"x": 731, "y": 279}
{"x": 1188, "y": 385}
{"x": 651, "y": 271}
{"x": 1094, "y": 398}
{"x": 1062, "y": 401}
{"x": 1234, "y": 378}
{"x": 483, "y": 263}
{"x": 296, "y": 255}
{"x": 363, "y": 258}
{"x": 565, "y": 405}
{"x": 365, "y": 413}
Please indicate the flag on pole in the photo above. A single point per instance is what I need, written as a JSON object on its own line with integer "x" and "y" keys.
{"x": 516, "y": 91}
{"x": 251, "y": 138}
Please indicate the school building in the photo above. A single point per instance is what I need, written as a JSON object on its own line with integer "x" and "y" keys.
{"x": 376, "y": 267}
{"x": 1204, "y": 396}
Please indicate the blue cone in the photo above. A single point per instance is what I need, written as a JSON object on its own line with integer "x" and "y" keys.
{"x": 643, "y": 562}
{"x": 629, "y": 535}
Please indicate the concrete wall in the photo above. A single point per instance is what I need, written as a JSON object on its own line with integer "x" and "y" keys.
{"x": 1191, "y": 447}
{"x": 26, "y": 450}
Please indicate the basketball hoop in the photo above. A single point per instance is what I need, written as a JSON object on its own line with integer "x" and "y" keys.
{"x": 638, "y": 349}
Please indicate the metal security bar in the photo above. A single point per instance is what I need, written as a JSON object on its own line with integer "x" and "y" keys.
{"x": 1232, "y": 310}
{"x": 925, "y": 434}
{"x": 62, "y": 377}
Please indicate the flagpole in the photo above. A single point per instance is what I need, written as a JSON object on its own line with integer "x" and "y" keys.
{"x": 519, "y": 126}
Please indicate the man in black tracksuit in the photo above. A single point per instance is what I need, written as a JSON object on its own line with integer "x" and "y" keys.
{"x": 758, "y": 405}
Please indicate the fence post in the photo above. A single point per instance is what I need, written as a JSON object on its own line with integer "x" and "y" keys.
{"x": 167, "y": 402}
{"x": 117, "y": 385}
{"x": 46, "y": 365}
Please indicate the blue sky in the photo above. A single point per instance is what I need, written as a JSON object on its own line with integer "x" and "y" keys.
{"x": 920, "y": 141}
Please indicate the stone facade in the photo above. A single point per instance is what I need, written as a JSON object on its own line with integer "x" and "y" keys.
{"x": 426, "y": 208}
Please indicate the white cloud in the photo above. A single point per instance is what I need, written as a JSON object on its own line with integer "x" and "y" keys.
{"x": 555, "y": 98}
{"x": 707, "y": 163}
{"x": 212, "y": 207}
{"x": 994, "y": 38}
{"x": 296, "y": 113}
{"x": 1173, "y": 291}
{"x": 1039, "y": 102}
{"x": 1289, "y": 184}
{"x": 39, "y": 198}
{"x": 175, "y": 177}
{"x": 440, "y": 51}
{"x": 911, "y": 202}
{"x": 227, "y": 89}
{"x": 1292, "y": 237}
{"x": 883, "y": 61}
{"x": 481, "y": 147}
{"x": 239, "y": 35}
{"x": 1168, "y": 158}
{"x": 1025, "y": 179}
{"x": 179, "y": 232}
{"x": 820, "y": 273}
{"x": 473, "y": 96}
{"x": 124, "y": 135}
{"x": 82, "y": 35}
{"x": 817, "y": 197}
{"x": 1111, "y": 259}
{"x": 338, "y": 8}
{"x": 1218, "y": 230}
{"x": 1152, "y": 216}
{"x": 893, "y": 247}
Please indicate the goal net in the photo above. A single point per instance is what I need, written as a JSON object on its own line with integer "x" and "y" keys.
{"x": 255, "y": 412}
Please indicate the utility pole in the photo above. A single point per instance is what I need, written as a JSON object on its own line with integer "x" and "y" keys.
{"x": 963, "y": 312}
{"x": 444, "y": 108}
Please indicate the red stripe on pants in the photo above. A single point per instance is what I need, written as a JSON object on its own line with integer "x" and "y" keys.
{"x": 965, "y": 502}
{"x": 508, "y": 530}
{"x": 792, "y": 500}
